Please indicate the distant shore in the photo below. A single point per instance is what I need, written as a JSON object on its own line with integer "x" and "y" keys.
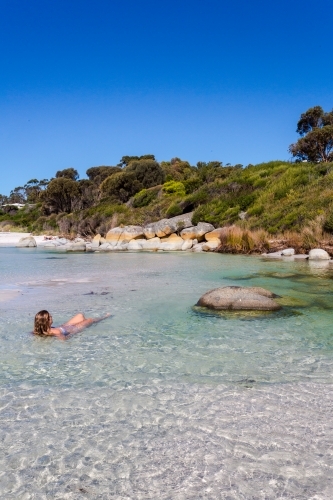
{"x": 10, "y": 239}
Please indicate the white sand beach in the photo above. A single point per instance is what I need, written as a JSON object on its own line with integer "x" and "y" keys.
{"x": 10, "y": 239}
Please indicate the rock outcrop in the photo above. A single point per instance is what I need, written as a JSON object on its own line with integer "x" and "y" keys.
{"x": 234, "y": 298}
{"x": 213, "y": 235}
{"x": 152, "y": 244}
{"x": 135, "y": 244}
{"x": 78, "y": 246}
{"x": 165, "y": 227}
{"x": 172, "y": 243}
{"x": 210, "y": 245}
{"x": 197, "y": 232}
{"x": 27, "y": 242}
{"x": 96, "y": 241}
{"x": 125, "y": 234}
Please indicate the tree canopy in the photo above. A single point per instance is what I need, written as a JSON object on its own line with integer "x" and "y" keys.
{"x": 315, "y": 127}
{"x": 137, "y": 175}
{"x": 98, "y": 174}
{"x": 126, "y": 160}
{"x": 68, "y": 173}
{"x": 61, "y": 195}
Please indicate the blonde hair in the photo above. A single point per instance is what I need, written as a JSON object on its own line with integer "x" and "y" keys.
{"x": 42, "y": 323}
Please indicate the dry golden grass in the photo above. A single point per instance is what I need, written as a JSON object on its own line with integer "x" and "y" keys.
{"x": 234, "y": 239}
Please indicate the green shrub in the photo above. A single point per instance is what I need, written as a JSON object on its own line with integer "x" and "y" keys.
{"x": 174, "y": 187}
{"x": 173, "y": 210}
{"x": 256, "y": 210}
{"x": 145, "y": 197}
{"x": 192, "y": 184}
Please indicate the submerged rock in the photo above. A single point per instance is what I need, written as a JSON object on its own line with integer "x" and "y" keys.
{"x": 236, "y": 298}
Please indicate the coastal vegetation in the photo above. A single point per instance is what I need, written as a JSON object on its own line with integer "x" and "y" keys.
{"x": 273, "y": 201}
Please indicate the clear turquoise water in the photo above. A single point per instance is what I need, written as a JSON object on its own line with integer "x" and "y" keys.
{"x": 163, "y": 400}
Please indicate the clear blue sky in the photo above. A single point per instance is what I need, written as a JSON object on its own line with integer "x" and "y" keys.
{"x": 85, "y": 82}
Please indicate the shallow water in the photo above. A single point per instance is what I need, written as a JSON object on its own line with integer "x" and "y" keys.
{"x": 163, "y": 400}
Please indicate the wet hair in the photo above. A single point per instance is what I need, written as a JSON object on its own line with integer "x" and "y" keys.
{"x": 42, "y": 323}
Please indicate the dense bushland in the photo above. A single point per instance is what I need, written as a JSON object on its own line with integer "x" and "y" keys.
{"x": 276, "y": 196}
{"x": 289, "y": 200}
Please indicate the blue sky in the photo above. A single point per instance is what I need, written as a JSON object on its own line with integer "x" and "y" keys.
{"x": 85, "y": 82}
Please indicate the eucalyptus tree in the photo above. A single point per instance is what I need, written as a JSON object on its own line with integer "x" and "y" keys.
{"x": 315, "y": 127}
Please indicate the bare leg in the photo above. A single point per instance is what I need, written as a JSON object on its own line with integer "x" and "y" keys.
{"x": 78, "y": 318}
{"x": 81, "y": 325}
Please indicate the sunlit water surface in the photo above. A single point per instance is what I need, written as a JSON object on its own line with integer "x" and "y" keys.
{"x": 164, "y": 401}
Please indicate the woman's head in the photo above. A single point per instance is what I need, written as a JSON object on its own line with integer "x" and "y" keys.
{"x": 43, "y": 322}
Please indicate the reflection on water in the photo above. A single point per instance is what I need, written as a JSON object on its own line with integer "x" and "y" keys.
{"x": 165, "y": 400}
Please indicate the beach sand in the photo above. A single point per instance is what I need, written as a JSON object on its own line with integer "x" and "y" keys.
{"x": 11, "y": 239}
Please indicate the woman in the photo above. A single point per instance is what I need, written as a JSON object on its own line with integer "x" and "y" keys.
{"x": 43, "y": 325}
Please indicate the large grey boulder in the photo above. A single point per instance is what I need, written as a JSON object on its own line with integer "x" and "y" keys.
{"x": 152, "y": 244}
{"x": 236, "y": 298}
{"x": 197, "y": 232}
{"x": 318, "y": 254}
{"x": 210, "y": 245}
{"x": 149, "y": 231}
{"x": 105, "y": 247}
{"x": 214, "y": 234}
{"x": 197, "y": 247}
{"x": 78, "y": 246}
{"x": 96, "y": 241}
{"x": 135, "y": 244}
{"x": 27, "y": 242}
{"x": 288, "y": 252}
{"x": 165, "y": 227}
{"x": 172, "y": 243}
{"x": 125, "y": 234}
{"x": 187, "y": 245}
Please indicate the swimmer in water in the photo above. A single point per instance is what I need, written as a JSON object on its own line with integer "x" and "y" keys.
{"x": 43, "y": 325}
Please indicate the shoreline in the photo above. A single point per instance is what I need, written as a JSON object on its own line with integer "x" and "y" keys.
{"x": 11, "y": 239}
{"x": 275, "y": 249}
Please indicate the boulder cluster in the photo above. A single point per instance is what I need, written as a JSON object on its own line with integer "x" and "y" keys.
{"x": 289, "y": 253}
{"x": 175, "y": 234}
